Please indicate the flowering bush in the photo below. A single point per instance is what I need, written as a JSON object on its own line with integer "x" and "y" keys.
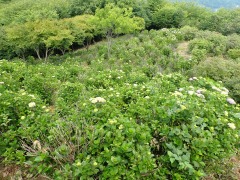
{"x": 223, "y": 70}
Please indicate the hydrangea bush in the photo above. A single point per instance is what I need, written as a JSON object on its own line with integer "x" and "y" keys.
{"x": 116, "y": 123}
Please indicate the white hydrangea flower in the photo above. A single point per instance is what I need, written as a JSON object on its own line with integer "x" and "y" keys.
{"x": 32, "y": 104}
{"x": 31, "y": 95}
{"x": 180, "y": 89}
{"x": 231, "y": 125}
{"x": 199, "y": 91}
{"x": 177, "y": 93}
{"x": 216, "y": 88}
{"x": 231, "y": 101}
{"x": 200, "y": 95}
{"x": 190, "y": 92}
{"x": 225, "y": 89}
{"x": 120, "y": 127}
{"x": 97, "y": 99}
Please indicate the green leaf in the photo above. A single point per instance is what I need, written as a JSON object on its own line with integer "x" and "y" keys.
{"x": 237, "y": 115}
{"x": 39, "y": 159}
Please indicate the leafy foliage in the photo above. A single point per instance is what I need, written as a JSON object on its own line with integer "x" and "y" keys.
{"x": 221, "y": 70}
{"x": 119, "y": 122}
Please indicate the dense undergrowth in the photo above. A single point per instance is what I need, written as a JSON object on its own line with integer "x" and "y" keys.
{"x": 141, "y": 111}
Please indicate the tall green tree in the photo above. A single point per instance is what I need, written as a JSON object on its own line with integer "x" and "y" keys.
{"x": 168, "y": 17}
{"x": 39, "y": 36}
{"x": 113, "y": 20}
{"x": 18, "y": 38}
{"x": 82, "y": 29}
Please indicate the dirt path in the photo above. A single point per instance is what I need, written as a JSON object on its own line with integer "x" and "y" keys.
{"x": 182, "y": 50}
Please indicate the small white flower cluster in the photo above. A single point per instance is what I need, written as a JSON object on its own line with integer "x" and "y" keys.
{"x": 231, "y": 101}
{"x": 119, "y": 77}
{"x": 193, "y": 78}
{"x": 32, "y": 104}
{"x": 32, "y": 96}
{"x": 1, "y": 83}
{"x": 223, "y": 91}
{"x": 180, "y": 89}
{"x": 97, "y": 99}
{"x": 177, "y": 93}
{"x": 190, "y": 92}
{"x": 216, "y": 88}
{"x": 231, "y": 125}
{"x": 198, "y": 93}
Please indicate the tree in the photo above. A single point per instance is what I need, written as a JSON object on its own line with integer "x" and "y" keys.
{"x": 22, "y": 11}
{"x": 45, "y": 35}
{"x": 18, "y": 38}
{"x": 168, "y": 17}
{"x": 5, "y": 49}
{"x": 113, "y": 20}
{"x": 81, "y": 28}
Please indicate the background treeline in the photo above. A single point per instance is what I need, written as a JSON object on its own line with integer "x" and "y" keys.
{"x": 52, "y": 27}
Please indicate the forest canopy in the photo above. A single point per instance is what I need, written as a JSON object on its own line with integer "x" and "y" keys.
{"x": 17, "y": 17}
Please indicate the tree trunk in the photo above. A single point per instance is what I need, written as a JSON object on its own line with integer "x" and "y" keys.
{"x": 46, "y": 53}
{"x": 38, "y": 53}
{"x": 63, "y": 51}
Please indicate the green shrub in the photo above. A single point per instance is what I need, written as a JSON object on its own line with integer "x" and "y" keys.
{"x": 23, "y": 118}
{"x": 201, "y": 44}
{"x": 221, "y": 70}
{"x": 199, "y": 54}
{"x": 167, "y": 17}
{"x": 233, "y": 42}
{"x": 218, "y": 41}
{"x": 134, "y": 128}
{"x": 189, "y": 33}
{"x": 234, "y": 53}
